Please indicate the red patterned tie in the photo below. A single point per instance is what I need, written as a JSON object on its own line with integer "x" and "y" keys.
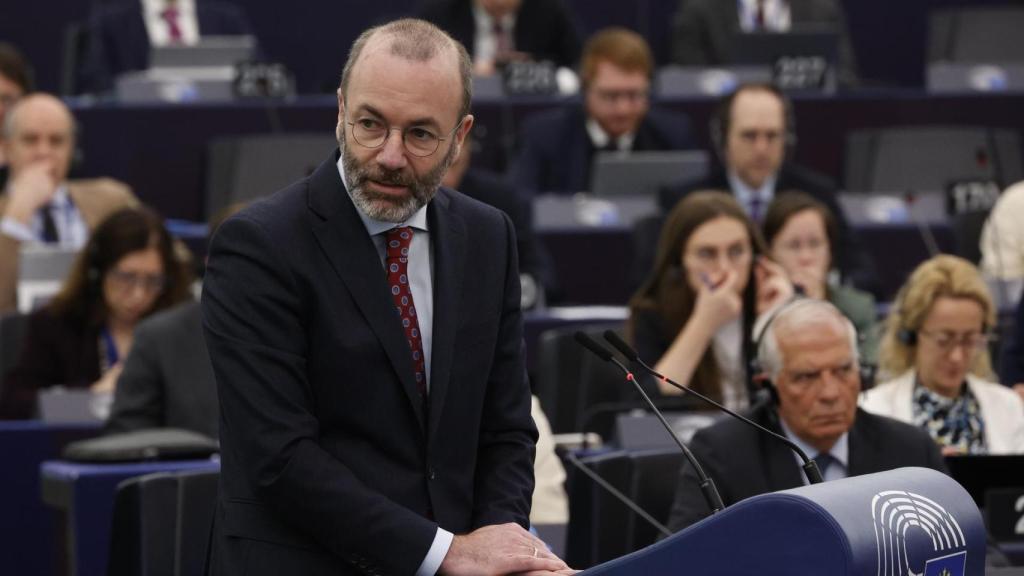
{"x": 170, "y": 15}
{"x": 398, "y": 240}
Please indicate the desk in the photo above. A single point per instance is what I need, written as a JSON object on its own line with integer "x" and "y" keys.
{"x": 85, "y": 493}
{"x": 26, "y": 528}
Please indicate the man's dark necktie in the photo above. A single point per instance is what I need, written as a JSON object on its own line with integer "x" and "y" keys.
{"x": 398, "y": 241}
{"x": 824, "y": 460}
{"x": 49, "y": 225}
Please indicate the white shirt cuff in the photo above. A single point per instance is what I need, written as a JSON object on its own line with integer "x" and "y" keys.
{"x": 438, "y": 550}
{"x": 14, "y": 229}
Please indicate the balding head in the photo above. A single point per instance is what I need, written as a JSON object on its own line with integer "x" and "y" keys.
{"x": 39, "y": 129}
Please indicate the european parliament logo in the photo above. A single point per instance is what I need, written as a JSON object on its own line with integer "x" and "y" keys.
{"x": 916, "y": 536}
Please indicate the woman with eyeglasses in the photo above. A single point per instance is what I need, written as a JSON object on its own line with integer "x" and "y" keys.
{"x": 802, "y": 234}
{"x": 695, "y": 312}
{"x": 936, "y": 347}
{"x": 125, "y": 272}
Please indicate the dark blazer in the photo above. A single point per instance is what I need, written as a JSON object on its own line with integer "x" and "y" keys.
{"x": 543, "y": 29}
{"x": 56, "y": 351}
{"x": 850, "y": 256}
{"x": 330, "y": 462}
{"x": 1012, "y": 370}
{"x": 743, "y": 462}
{"x": 167, "y": 381}
{"x": 116, "y": 40}
{"x": 556, "y": 150}
{"x": 703, "y": 31}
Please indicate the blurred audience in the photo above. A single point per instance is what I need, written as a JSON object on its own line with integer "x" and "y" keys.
{"x": 801, "y": 233}
{"x": 126, "y": 272}
{"x": 16, "y": 80}
{"x": 696, "y": 310}
{"x": 535, "y": 268}
{"x": 1002, "y": 244}
{"x": 499, "y": 31}
{"x": 704, "y": 32}
{"x": 753, "y": 133}
{"x": 39, "y": 205}
{"x": 119, "y": 35}
{"x": 809, "y": 352}
{"x": 558, "y": 146}
{"x": 936, "y": 346}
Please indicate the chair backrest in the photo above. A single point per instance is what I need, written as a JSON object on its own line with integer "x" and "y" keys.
{"x": 977, "y": 34}
{"x": 12, "y": 333}
{"x": 653, "y": 482}
{"x": 930, "y": 157}
{"x": 162, "y": 523}
{"x": 573, "y": 385}
{"x": 241, "y": 169}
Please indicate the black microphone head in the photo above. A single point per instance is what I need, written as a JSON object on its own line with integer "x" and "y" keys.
{"x": 589, "y": 343}
{"x": 620, "y": 345}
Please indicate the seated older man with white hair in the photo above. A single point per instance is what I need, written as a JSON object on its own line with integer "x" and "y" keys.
{"x": 808, "y": 349}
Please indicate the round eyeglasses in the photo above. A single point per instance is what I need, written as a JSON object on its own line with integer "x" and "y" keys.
{"x": 418, "y": 140}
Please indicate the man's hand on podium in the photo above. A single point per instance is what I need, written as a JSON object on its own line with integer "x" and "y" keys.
{"x": 500, "y": 549}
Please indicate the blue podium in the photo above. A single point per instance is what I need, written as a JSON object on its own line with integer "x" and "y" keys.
{"x": 905, "y": 522}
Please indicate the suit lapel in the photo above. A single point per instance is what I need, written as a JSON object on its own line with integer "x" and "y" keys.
{"x": 782, "y": 467}
{"x": 448, "y": 239}
{"x": 860, "y": 446}
{"x": 347, "y": 246}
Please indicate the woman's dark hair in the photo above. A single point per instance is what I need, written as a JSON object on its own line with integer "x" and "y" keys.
{"x": 789, "y": 204}
{"x": 123, "y": 232}
{"x": 16, "y": 68}
{"x": 667, "y": 292}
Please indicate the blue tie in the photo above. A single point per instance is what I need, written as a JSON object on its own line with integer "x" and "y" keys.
{"x": 824, "y": 460}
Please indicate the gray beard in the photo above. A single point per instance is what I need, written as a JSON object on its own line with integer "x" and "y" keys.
{"x": 387, "y": 208}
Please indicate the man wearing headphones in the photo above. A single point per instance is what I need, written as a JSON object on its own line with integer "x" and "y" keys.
{"x": 39, "y": 205}
{"x": 559, "y": 146}
{"x": 753, "y": 133}
{"x": 808, "y": 350}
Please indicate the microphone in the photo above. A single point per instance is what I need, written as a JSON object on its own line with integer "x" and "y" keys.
{"x": 707, "y": 485}
{"x": 616, "y": 493}
{"x": 810, "y": 467}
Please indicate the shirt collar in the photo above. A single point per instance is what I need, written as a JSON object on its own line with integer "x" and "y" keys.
{"x": 599, "y": 138}
{"x": 373, "y": 226}
{"x": 61, "y": 199}
{"x": 744, "y": 192}
{"x": 485, "y": 22}
{"x": 840, "y": 450}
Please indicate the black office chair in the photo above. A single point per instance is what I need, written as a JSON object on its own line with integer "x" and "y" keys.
{"x": 597, "y": 521}
{"x": 12, "y": 332}
{"x": 653, "y": 487}
{"x": 976, "y": 34}
{"x": 197, "y": 500}
{"x": 574, "y": 386}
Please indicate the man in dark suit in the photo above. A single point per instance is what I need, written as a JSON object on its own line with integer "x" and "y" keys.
{"x": 118, "y": 36}
{"x": 704, "y": 31}
{"x": 752, "y": 131}
{"x": 809, "y": 350}
{"x": 558, "y": 146}
{"x": 498, "y": 31}
{"x": 365, "y": 332}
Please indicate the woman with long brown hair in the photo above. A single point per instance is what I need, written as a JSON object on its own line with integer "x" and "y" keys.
{"x": 125, "y": 272}
{"x": 696, "y": 310}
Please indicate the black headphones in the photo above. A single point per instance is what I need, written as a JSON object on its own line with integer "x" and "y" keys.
{"x": 721, "y": 119}
{"x": 867, "y": 371}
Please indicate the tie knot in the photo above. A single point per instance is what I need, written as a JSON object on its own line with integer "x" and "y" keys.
{"x": 824, "y": 460}
{"x": 398, "y": 240}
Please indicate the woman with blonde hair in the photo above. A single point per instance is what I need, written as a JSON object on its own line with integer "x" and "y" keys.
{"x": 936, "y": 348}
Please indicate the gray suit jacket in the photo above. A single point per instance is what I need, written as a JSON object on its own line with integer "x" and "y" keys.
{"x": 167, "y": 379}
{"x": 703, "y": 30}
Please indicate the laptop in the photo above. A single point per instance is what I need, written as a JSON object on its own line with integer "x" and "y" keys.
{"x": 61, "y": 405}
{"x": 210, "y": 51}
{"x": 920, "y": 207}
{"x": 643, "y": 173}
{"x": 766, "y": 48}
{"x": 41, "y": 271}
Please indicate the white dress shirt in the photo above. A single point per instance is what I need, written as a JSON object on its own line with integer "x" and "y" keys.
{"x": 599, "y": 138}
{"x": 745, "y": 194}
{"x": 776, "y": 16}
{"x": 420, "y": 272}
{"x": 72, "y": 232}
{"x": 485, "y": 42}
{"x": 840, "y": 452}
{"x": 157, "y": 28}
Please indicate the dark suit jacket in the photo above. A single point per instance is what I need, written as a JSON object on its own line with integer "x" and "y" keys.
{"x": 703, "y": 31}
{"x": 556, "y": 150}
{"x": 1012, "y": 371}
{"x": 330, "y": 461}
{"x": 117, "y": 42}
{"x": 850, "y": 256}
{"x": 744, "y": 462}
{"x": 543, "y": 28}
{"x": 56, "y": 351}
{"x": 167, "y": 380}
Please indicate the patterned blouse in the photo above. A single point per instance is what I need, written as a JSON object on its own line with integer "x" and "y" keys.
{"x": 954, "y": 422}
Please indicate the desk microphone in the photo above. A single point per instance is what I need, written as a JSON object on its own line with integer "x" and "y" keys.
{"x": 707, "y": 485}
{"x": 810, "y": 466}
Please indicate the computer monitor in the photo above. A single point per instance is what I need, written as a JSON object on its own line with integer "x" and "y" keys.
{"x": 210, "y": 51}
{"x": 979, "y": 474}
{"x": 766, "y": 48}
{"x": 41, "y": 271}
{"x": 643, "y": 173}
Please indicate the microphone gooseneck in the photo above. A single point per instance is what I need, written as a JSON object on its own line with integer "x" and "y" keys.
{"x": 707, "y": 485}
{"x": 810, "y": 467}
